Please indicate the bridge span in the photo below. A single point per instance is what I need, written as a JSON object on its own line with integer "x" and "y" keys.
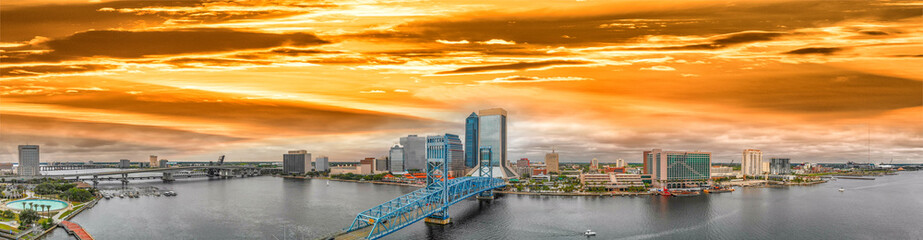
{"x": 430, "y": 203}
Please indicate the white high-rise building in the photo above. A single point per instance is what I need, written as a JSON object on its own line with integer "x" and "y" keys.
{"x": 321, "y": 164}
{"x": 752, "y": 163}
{"x": 594, "y": 164}
{"x": 28, "y": 160}
{"x": 621, "y": 163}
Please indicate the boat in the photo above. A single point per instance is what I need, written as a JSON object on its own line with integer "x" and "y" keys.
{"x": 121, "y": 195}
{"x": 589, "y": 233}
{"x": 717, "y": 189}
{"x": 665, "y": 192}
{"x": 685, "y": 193}
{"x": 841, "y": 190}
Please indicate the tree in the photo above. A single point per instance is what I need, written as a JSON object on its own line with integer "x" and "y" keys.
{"x": 76, "y": 194}
{"x": 27, "y": 216}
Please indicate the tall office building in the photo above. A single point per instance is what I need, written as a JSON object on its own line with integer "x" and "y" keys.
{"x": 124, "y": 163}
{"x": 471, "y": 140}
{"x": 594, "y": 164}
{"x": 551, "y": 162}
{"x": 414, "y": 152}
{"x": 752, "y": 163}
{"x": 780, "y": 166}
{"x": 153, "y": 161}
{"x": 397, "y": 158}
{"x": 366, "y": 166}
{"x": 447, "y": 147}
{"x": 381, "y": 164}
{"x": 163, "y": 163}
{"x": 322, "y": 164}
{"x": 522, "y": 162}
{"x": 492, "y": 133}
{"x": 297, "y": 161}
{"x": 28, "y": 160}
{"x": 674, "y": 169}
{"x": 620, "y": 163}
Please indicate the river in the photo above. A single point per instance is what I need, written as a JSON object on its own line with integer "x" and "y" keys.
{"x": 890, "y": 207}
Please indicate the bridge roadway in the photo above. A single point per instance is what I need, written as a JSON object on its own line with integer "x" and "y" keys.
{"x": 403, "y": 211}
{"x": 144, "y": 170}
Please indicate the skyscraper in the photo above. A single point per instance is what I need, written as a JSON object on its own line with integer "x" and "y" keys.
{"x": 551, "y": 162}
{"x": 448, "y": 146}
{"x": 414, "y": 152}
{"x": 752, "y": 162}
{"x": 471, "y": 140}
{"x": 594, "y": 164}
{"x": 492, "y": 133}
{"x": 675, "y": 169}
{"x": 780, "y": 166}
{"x": 321, "y": 164}
{"x": 28, "y": 160}
{"x": 153, "y": 161}
{"x": 298, "y": 161}
{"x": 620, "y": 163}
{"x": 397, "y": 158}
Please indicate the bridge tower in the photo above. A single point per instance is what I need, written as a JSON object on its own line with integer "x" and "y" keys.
{"x": 437, "y": 175}
{"x": 485, "y": 170}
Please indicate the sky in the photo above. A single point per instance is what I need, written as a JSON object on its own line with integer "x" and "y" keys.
{"x": 816, "y": 81}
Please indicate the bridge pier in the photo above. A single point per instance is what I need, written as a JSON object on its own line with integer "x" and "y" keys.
{"x": 124, "y": 178}
{"x": 437, "y": 220}
{"x": 168, "y": 177}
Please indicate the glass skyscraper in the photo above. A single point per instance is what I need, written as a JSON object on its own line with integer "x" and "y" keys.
{"x": 447, "y": 147}
{"x": 397, "y": 158}
{"x": 28, "y": 160}
{"x": 471, "y": 140}
{"x": 492, "y": 133}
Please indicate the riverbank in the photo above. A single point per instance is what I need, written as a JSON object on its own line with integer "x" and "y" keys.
{"x": 606, "y": 194}
{"x": 356, "y": 181}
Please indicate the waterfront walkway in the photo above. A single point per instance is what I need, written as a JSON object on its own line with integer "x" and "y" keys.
{"x": 76, "y": 230}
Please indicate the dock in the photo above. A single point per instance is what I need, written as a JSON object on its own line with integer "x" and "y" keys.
{"x": 76, "y": 230}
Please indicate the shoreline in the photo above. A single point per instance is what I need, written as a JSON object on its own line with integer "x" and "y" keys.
{"x": 357, "y": 181}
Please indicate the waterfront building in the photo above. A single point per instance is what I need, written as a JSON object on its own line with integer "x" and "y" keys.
{"x": 163, "y": 163}
{"x": 153, "y": 161}
{"x": 381, "y": 164}
{"x": 447, "y": 147}
{"x": 752, "y": 163}
{"x": 492, "y": 134}
{"x": 322, "y": 164}
{"x": 344, "y": 170}
{"x": 676, "y": 169}
{"x": 596, "y": 179}
{"x": 764, "y": 167}
{"x": 594, "y": 165}
{"x": 365, "y": 166}
{"x": 723, "y": 171}
{"x": 471, "y": 140}
{"x": 414, "y": 152}
{"x": 621, "y": 163}
{"x": 551, "y": 161}
{"x": 297, "y": 162}
{"x": 124, "y": 163}
{"x": 29, "y": 160}
{"x": 397, "y": 158}
{"x": 780, "y": 166}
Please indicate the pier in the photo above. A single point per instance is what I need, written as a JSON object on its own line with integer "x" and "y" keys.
{"x": 76, "y": 230}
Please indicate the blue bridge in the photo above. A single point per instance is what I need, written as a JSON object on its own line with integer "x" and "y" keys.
{"x": 430, "y": 203}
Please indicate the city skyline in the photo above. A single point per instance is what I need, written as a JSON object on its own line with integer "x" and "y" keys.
{"x": 814, "y": 81}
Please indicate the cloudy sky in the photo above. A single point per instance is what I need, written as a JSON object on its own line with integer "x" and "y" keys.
{"x": 190, "y": 80}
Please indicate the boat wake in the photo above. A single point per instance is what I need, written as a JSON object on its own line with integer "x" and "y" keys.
{"x": 679, "y": 230}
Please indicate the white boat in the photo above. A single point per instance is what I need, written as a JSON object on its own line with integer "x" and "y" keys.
{"x": 842, "y": 190}
{"x": 589, "y": 233}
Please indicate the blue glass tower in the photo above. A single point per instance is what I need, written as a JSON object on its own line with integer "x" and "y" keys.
{"x": 471, "y": 140}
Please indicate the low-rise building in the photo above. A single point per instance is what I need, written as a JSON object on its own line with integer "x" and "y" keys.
{"x": 344, "y": 170}
{"x": 124, "y": 163}
{"x": 723, "y": 171}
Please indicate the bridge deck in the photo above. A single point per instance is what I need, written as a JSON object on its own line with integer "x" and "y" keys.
{"x": 400, "y": 212}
